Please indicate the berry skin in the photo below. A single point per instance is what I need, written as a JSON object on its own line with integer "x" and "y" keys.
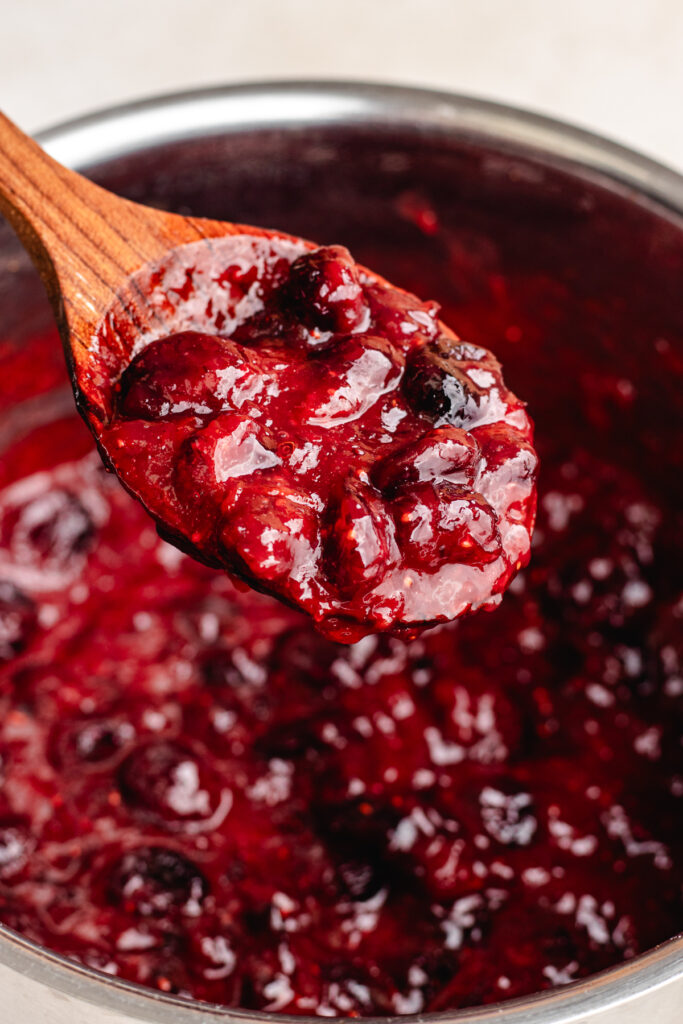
{"x": 17, "y": 620}
{"x": 169, "y": 783}
{"x": 187, "y": 373}
{"x": 156, "y": 882}
{"x": 443, "y": 524}
{"x": 438, "y": 384}
{"x": 324, "y": 291}
{"x": 360, "y": 544}
{"x": 445, "y": 454}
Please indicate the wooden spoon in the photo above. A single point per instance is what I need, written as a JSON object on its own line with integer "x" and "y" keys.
{"x": 92, "y": 249}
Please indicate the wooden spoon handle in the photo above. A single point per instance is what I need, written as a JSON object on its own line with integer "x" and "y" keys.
{"x": 85, "y": 241}
{"x": 90, "y": 247}
{"x": 63, "y": 220}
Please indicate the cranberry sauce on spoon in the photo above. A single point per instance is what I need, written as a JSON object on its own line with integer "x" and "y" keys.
{"x": 325, "y": 438}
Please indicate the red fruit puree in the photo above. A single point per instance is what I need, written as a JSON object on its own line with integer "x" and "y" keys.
{"x": 333, "y": 444}
{"x": 201, "y": 793}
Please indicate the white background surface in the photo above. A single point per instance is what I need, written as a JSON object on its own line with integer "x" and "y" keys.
{"x": 615, "y": 66}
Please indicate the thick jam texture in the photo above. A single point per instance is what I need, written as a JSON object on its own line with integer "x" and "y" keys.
{"x": 334, "y": 444}
{"x": 201, "y": 793}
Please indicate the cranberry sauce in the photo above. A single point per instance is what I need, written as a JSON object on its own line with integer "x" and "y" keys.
{"x": 328, "y": 440}
{"x": 200, "y": 793}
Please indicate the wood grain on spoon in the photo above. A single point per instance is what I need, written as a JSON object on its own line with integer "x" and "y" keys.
{"x": 87, "y": 243}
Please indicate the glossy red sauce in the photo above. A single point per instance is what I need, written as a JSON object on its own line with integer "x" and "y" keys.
{"x": 323, "y": 437}
{"x": 200, "y": 793}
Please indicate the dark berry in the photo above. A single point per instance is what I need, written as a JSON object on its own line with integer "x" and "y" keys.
{"x": 441, "y": 383}
{"x": 17, "y": 620}
{"x": 184, "y": 373}
{"x": 90, "y": 741}
{"x": 324, "y": 291}
{"x": 444, "y": 454}
{"x": 56, "y": 527}
{"x": 273, "y": 328}
{"x": 168, "y": 781}
{"x": 152, "y": 881}
{"x": 360, "y": 544}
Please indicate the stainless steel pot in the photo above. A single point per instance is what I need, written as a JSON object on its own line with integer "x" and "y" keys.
{"x": 37, "y": 986}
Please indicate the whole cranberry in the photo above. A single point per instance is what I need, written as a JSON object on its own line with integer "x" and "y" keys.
{"x": 89, "y": 742}
{"x": 56, "y": 528}
{"x": 152, "y": 881}
{"x": 275, "y": 328}
{"x": 184, "y": 373}
{"x": 401, "y": 316}
{"x": 17, "y": 620}
{"x": 507, "y": 472}
{"x": 353, "y": 376}
{"x": 271, "y": 528}
{"x": 360, "y": 544}
{"x": 438, "y": 384}
{"x": 444, "y": 454}
{"x": 439, "y": 850}
{"x": 168, "y": 781}
{"x": 324, "y": 291}
{"x": 230, "y": 448}
{"x": 439, "y": 524}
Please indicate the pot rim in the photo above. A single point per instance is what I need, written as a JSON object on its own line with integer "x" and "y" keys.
{"x": 121, "y": 130}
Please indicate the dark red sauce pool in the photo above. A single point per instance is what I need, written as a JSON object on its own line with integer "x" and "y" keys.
{"x": 200, "y": 793}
